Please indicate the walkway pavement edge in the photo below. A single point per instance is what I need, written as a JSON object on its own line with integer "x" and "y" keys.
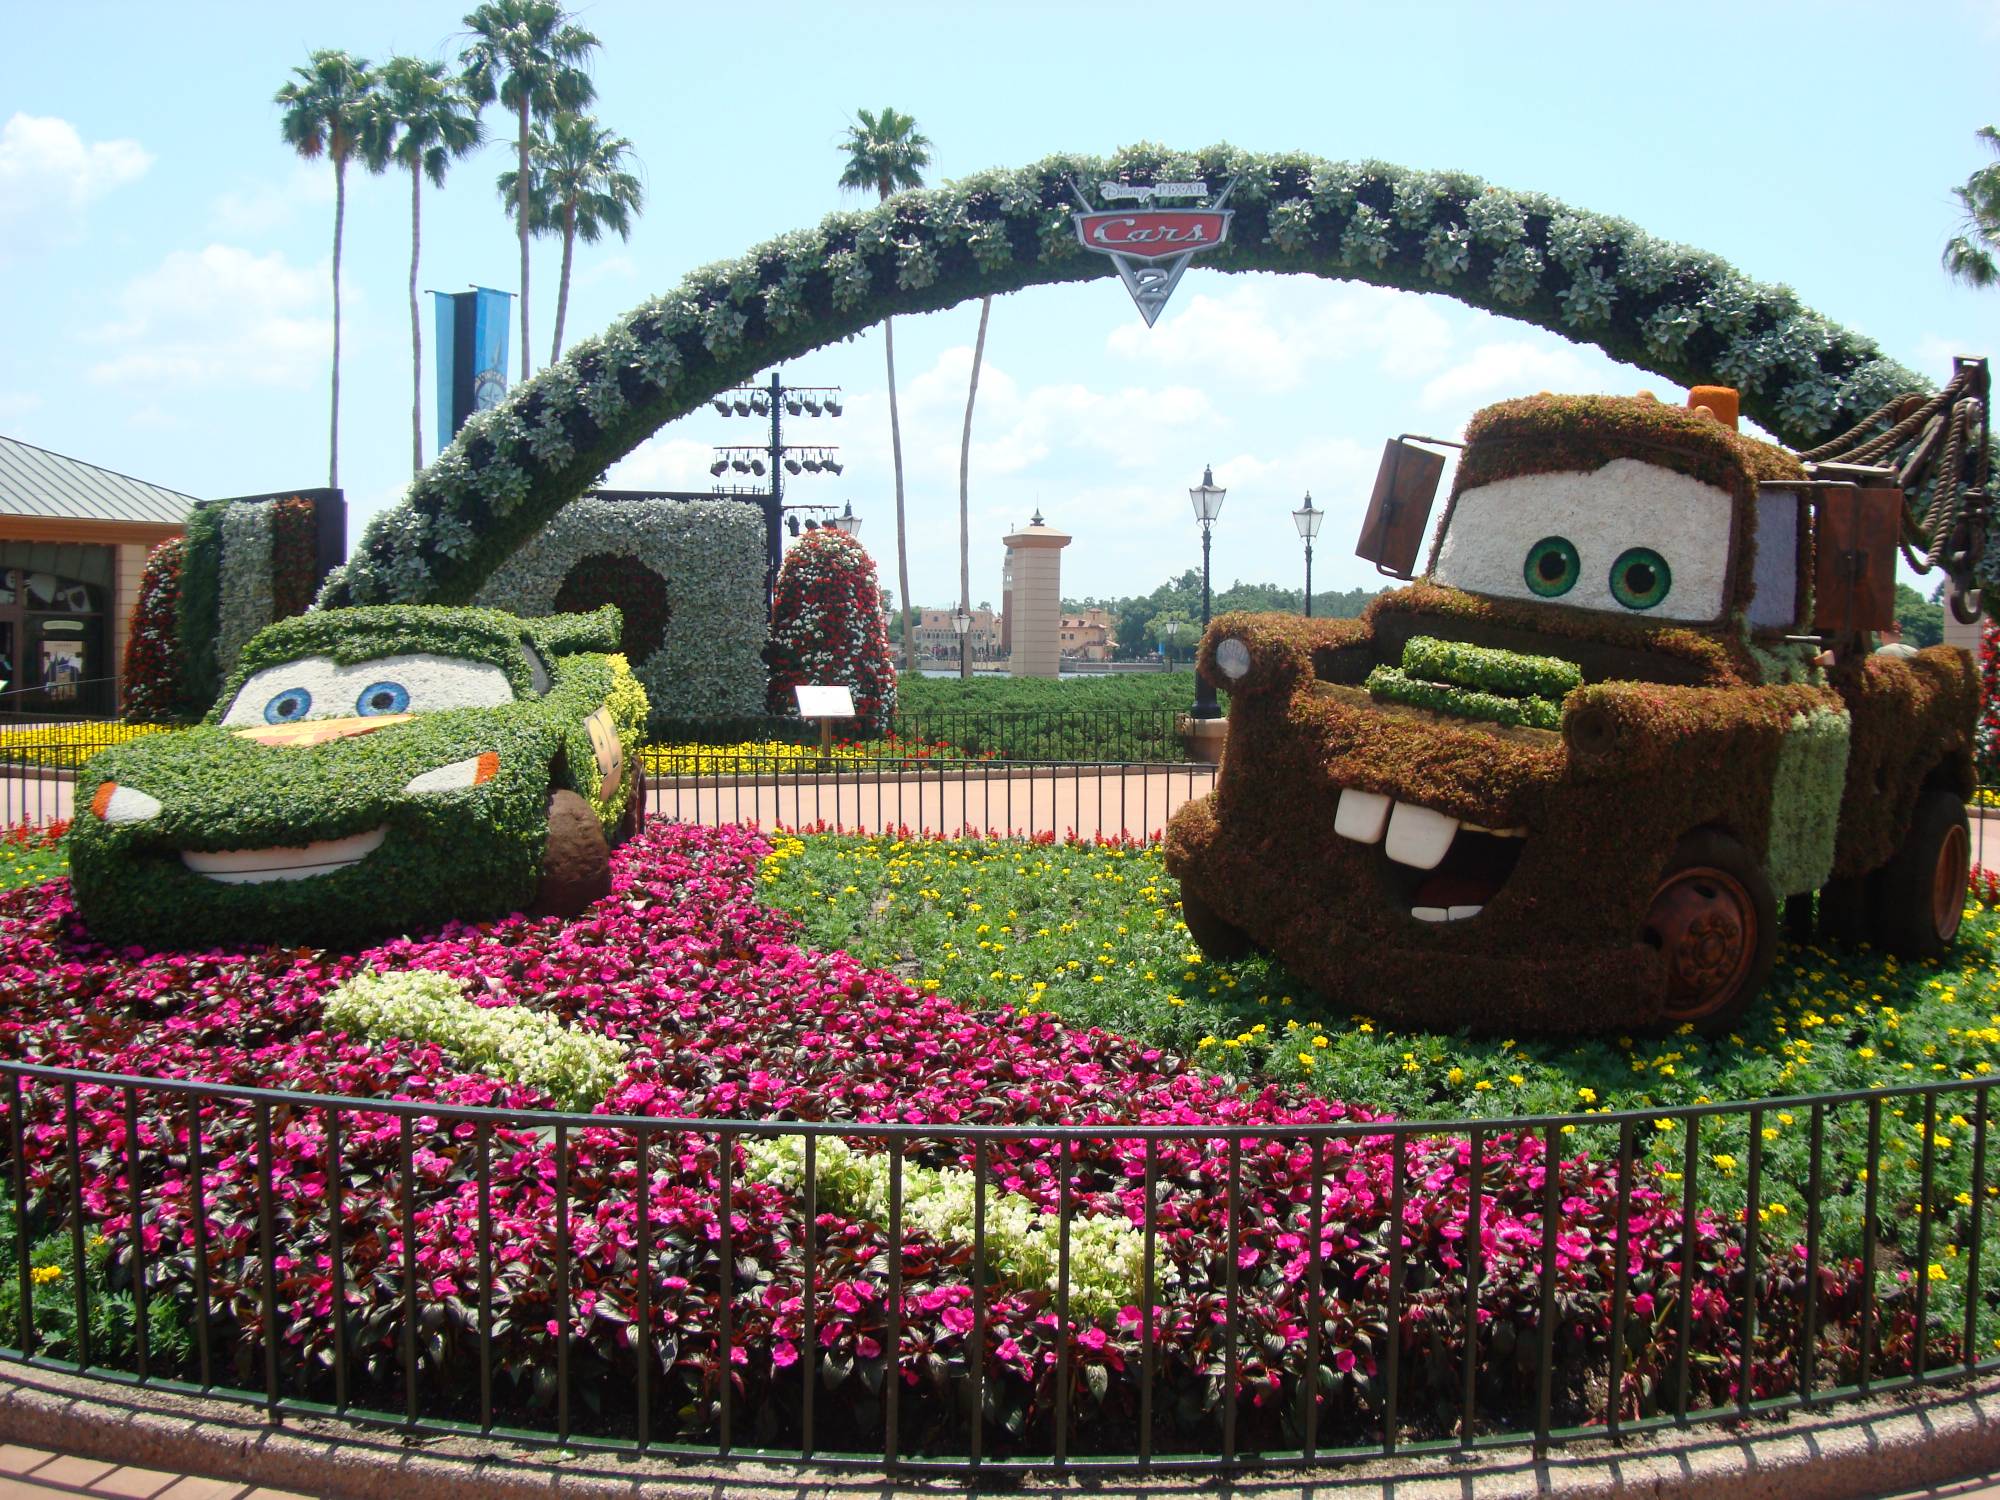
{"x": 1844, "y": 1453}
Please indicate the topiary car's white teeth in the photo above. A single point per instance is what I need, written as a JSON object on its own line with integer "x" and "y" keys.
{"x": 1362, "y": 816}
{"x": 1445, "y": 913}
{"x": 1419, "y": 836}
{"x": 456, "y": 777}
{"x": 255, "y": 866}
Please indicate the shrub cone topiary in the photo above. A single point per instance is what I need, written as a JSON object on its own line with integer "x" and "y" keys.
{"x": 827, "y": 627}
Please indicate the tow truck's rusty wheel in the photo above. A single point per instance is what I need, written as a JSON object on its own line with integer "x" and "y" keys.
{"x": 1918, "y": 897}
{"x": 1219, "y": 939}
{"x": 1714, "y": 920}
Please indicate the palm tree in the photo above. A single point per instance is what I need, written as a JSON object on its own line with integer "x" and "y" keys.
{"x": 580, "y": 189}
{"x": 885, "y": 153}
{"x": 528, "y": 55}
{"x": 964, "y": 464}
{"x": 326, "y": 114}
{"x": 421, "y": 120}
{"x": 1969, "y": 256}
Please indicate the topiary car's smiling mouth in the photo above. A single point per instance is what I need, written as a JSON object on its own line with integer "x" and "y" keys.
{"x": 1436, "y": 867}
{"x": 254, "y": 866}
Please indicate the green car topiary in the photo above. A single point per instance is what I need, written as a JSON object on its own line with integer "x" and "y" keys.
{"x": 367, "y": 772}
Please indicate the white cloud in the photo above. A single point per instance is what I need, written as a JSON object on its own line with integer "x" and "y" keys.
{"x": 16, "y": 406}
{"x": 1271, "y": 337}
{"x": 49, "y": 175}
{"x": 221, "y": 313}
{"x": 663, "y": 463}
{"x": 257, "y": 207}
{"x": 1512, "y": 368}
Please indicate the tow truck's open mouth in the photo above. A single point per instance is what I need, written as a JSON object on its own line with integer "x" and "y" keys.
{"x": 253, "y": 866}
{"x": 1434, "y": 866}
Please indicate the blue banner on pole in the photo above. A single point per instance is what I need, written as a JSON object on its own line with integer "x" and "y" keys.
{"x": 471, "y": 356}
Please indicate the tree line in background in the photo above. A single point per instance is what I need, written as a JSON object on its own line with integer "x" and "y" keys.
{"x": 571, "y": 177}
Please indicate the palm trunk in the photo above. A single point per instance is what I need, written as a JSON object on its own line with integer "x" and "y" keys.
{"x": 416, "y": 325}
{"x": 964, "y": 507}
{"x": 339, "y": 223}
{"x": 902, "y": 537}
{"x": 521, "y": 224}
{"x": 562, "y": 289}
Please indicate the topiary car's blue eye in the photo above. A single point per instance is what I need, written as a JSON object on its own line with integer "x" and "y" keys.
{"x": 289, "y": 706}
{"x": 382, "y": 698}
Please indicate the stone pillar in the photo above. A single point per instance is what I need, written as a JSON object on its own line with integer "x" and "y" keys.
{"x": 1034, "y": 600}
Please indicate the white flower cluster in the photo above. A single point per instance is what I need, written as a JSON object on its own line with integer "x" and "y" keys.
{"x": 244, "y": 584}
{"x": 1107, "y": 1257}
{"x": 709, "y": 555}
{"x": 512, "y": 1042}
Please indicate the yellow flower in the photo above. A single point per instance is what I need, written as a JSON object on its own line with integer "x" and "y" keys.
{"x": 1587, "y": 1095}
{"x": 1456, "y": 1075}
{"x": 1936, "y": 1272}
{"x": 1724, "y": 1160}
{"x": 43, "y": 1275}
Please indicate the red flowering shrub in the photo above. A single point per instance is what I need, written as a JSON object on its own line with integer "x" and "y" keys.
{"x": 827, "y": 627}
{"x": 152, "y": 669}
{"x": 294, "y": 555}
{"x": 723, "y": 1016}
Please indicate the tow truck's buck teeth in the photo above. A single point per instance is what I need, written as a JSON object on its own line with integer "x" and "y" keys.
{"x": 1419, "y": 837}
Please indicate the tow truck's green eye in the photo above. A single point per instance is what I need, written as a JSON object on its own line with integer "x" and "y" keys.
{"x": 1640, "y": 578}
{"x": 1552, "y": 566}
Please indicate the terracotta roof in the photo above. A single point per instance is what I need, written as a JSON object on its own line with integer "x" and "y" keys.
{"x": 36, "y": 482}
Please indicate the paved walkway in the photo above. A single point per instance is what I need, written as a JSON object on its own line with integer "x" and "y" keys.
{"x": 987, "y": 797}
{"x": 38, "y": 1473}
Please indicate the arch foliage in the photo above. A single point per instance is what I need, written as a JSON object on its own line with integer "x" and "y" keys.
{"x": 1681, "y": 313}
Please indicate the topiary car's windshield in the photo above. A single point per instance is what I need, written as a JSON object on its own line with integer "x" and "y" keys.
{"x": 318, "y": 687}
{"x": 1631, "y": 538}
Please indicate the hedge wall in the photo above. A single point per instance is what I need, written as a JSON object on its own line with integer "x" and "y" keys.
{"x": 702, "y": 616}
{"x": 1684, "y": 314}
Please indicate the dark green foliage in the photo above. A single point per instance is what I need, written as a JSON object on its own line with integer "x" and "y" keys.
{"x": 1921, "y": 620}
{"x": 198, "y": 621}
{"x": 474, "y": 853}
{"x": 107, "y": 1284}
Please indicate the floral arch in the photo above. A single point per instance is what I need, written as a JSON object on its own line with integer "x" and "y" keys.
{"x": 1681, "y": 313}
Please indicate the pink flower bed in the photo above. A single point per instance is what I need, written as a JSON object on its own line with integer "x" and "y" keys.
{"x": 727, "y": 1018}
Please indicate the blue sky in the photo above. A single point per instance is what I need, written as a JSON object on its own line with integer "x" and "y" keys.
{"x": 164, "y": 258}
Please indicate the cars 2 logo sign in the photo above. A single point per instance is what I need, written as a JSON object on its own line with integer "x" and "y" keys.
{"x": 1150, "y": 246}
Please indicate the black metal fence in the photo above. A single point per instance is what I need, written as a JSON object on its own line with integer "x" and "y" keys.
{"x": 1292, "y": 1294}
{"x": 774, "y": 785}
{"x": 888, "y": 794}
{"x": 1094, "y": 734}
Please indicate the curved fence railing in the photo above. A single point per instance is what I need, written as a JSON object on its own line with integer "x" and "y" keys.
{"x": 916, "y": 1296}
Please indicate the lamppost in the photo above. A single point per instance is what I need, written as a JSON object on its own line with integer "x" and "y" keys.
{"x": 1207, "y": 501}
{"x": 1307, "y": 520}
{"x": 850, "y": 523}
{"x": 1172, "y": 628}
{"x": 961, "y": 621}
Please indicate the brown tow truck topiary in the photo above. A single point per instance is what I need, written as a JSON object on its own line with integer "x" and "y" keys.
{"x": 1563, "y": 783}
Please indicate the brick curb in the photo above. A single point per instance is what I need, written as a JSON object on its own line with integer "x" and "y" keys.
{"x": 1854, "y": 1451}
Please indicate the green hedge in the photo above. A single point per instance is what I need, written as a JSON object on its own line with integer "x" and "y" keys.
{"x": 1397, "y": 686}
{"x": 1506, "y": 673}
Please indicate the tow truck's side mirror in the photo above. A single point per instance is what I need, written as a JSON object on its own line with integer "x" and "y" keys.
{"x": 1399, "y": 511}
{"x": 1854, "y": 550}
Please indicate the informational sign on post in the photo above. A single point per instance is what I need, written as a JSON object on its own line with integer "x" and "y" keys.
{"x": 825, "y": 703}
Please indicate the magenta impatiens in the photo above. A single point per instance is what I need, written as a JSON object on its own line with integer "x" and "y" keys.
{"x": 725, "y": 1018}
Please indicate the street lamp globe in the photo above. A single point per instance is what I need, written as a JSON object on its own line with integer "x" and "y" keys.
{"x": 847, "y": 521}
{"x": 1207, "y": 497}
{"x": 961, "y": 621}
{"x": 1307, "y": 519}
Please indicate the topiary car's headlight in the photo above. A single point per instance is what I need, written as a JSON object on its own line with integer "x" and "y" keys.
{"x": 1232, "y": 658}
{"x": 457, "y": 776}
{"x": 123, "y": 804}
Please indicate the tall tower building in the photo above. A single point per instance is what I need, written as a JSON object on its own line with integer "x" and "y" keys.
{"x": 1031, "y": 596}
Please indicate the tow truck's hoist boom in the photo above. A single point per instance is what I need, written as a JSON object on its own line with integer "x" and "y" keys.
{"x": 1937, "y": 450}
